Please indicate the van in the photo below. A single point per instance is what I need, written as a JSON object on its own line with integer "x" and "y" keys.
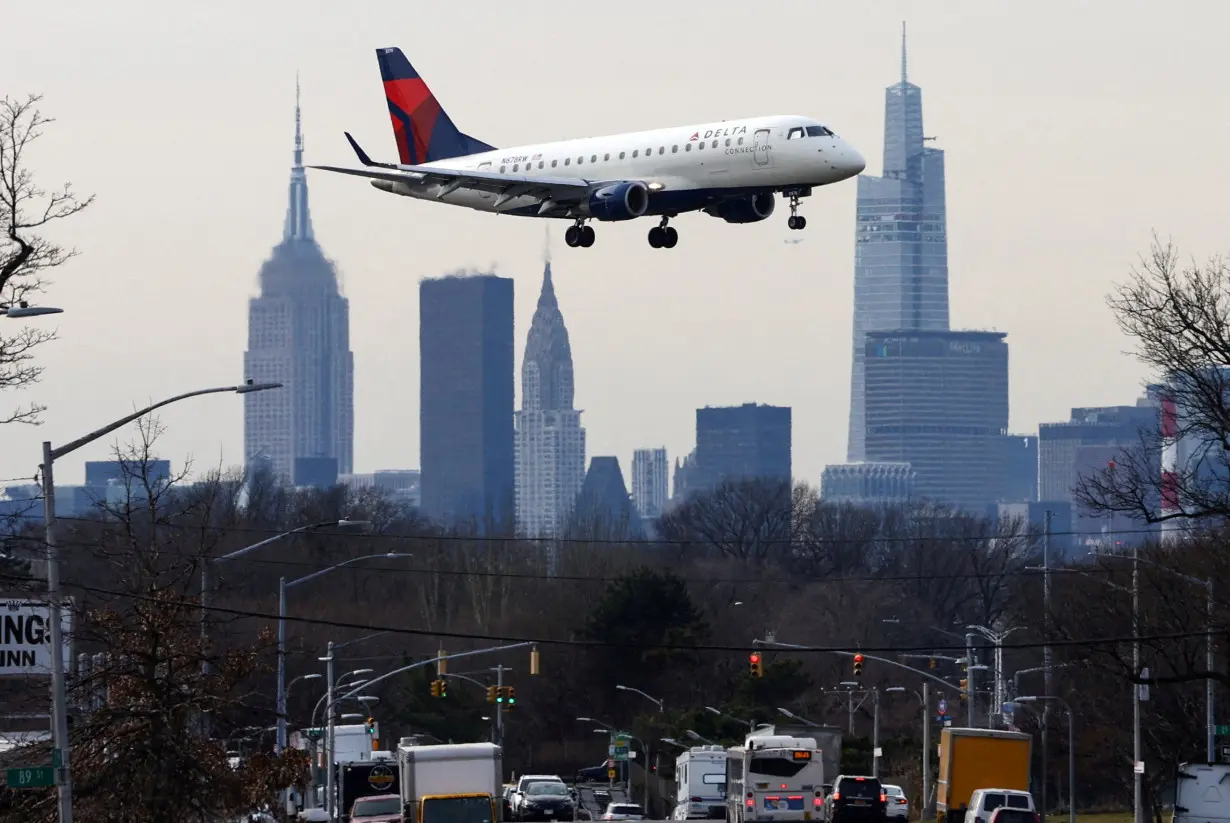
{"x": 984, "y": 801}
{"x": 1202, "y": 793}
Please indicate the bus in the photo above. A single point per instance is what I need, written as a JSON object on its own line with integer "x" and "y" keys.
{"x": 775, "y": 778}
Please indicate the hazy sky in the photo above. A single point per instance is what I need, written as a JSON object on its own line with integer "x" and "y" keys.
{"x": 1072, "y": 131}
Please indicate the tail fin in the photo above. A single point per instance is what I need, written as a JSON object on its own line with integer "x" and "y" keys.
{"x": 423, "y": 130}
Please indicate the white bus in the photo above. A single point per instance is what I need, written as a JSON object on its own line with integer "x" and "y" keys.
{"x": 700, "y": 778}
{"x": 775, "y": 778}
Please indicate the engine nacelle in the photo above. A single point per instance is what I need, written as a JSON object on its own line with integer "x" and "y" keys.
{"x": 618, "y": 201}
{"x": 751, "y": 208}
{"x": 391, "y": 187}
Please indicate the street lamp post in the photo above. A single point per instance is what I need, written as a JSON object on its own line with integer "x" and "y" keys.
{"x": 1071, "y": 747}
{"x": 283, "y": 585}
{"x": 751, "y": 724}
{"x": 661, "y": 708}
{"x": 59, "y": 696}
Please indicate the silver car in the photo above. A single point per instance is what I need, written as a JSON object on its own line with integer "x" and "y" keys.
{"x": 898, "y": 806}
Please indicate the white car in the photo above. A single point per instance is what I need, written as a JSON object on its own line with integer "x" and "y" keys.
{"x": 623, "y": 811}
{"x": 898, "y": 806}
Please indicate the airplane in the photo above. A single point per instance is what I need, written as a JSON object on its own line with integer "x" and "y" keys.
{"x": 730, "y": 169}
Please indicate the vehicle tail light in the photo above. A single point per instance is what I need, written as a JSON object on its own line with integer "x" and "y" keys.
{"x": 818, "y": 801}
{"x": 901, "y": 801}
{"x": 837, "y": 795}
{"x": 750, "y": 801}
{"x": 883, "y": 797}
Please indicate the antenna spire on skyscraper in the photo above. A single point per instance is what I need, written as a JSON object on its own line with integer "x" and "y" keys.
{"x": 904, "y": 79}
{"x": 298, "y": 127}
{"x": 546, "y": 244}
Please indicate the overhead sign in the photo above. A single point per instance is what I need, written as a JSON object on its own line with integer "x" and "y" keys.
{"x": 25, "y": 637}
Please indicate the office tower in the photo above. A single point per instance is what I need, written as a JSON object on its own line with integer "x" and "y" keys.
{"x": 550, "y": 456}
{"x": 649, "y": 481}
{"x": 938, "y": 400}
{"x": 299, "y": 336}
{"x": 1020, "y": 467}
{"x": 748, "y": 442}
{"x": 901, "y": 242}
{"x": 604, "y": 509}
{"x": 466, "y": 400}
{"x": 1085, "y": 442}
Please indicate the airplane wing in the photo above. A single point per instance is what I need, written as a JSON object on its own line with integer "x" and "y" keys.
{"x": 554, "y": 191}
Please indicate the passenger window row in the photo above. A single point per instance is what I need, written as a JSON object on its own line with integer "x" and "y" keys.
{"x": 606, "y": 158}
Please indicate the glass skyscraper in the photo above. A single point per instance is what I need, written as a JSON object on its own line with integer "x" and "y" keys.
{"x": 901, "y": 242}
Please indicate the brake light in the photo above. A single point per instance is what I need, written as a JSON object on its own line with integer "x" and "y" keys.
{"x": 750, "y": 801}
{"x": 818, "y": 801}
{"x": 901, "y": 802}
{"x": 859, "y": 779}
{"x": 783, "y": 785}
{"x": 837, "y": 795}
{"x": 883, "y": 797}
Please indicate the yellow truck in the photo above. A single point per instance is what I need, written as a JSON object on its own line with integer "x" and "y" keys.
{"x": 972, "y": 759}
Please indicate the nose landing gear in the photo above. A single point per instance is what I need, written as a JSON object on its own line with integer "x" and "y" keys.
{"x": 663, "y": 236}
{"x": 579, "y": 234}
{"x": 797, "y": 222}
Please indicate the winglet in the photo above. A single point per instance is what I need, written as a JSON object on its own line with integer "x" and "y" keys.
{"x": 363, "y": 158}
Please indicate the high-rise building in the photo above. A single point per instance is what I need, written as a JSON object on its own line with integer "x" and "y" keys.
{"x": 466, "y": 399}
{"x": 650, "y": 481}
{"x": 868, "y": 484}
{"x": 1020, "y": 467}
{"x": 901, "y": 242}
{"x": 938, "y": 400}
{"x": 748, "y": 442}
{"x": 550, "y": 456}
{"x": 1063, "y": 457}
{"x": 604, "y": 509}
{"x": 299, "y": 336}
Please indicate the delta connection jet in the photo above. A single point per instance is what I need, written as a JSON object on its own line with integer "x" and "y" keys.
{"x": 732, "y": 170}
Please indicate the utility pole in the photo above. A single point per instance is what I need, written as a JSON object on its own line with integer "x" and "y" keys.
{"x": 1210, "y": 664}
{"x": 499, "y": 707}
{"x": 329, "y": 709}
{"x": 1138, "y": 765}
{"x": 971, "y": 690}
{"x": 850, "y": 709}
{"x": 1046, "y": 657}
{"x": 875, "y": 731}
{"x": 926, "y": 758}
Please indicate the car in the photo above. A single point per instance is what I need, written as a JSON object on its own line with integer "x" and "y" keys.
{"x": 898, "y": 807}
{"x": 377, "y": 808}
{"x": 545, "y": 800}
{"x": 856, "y": 799}
{"x": 623, "y": 811}
{"x": 1009, "y": 814}
{"x": 984, "y": 802}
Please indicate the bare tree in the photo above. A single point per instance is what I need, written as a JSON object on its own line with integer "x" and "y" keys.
{"x": 26, "y": 255}
{"x": 1178, "y": 316}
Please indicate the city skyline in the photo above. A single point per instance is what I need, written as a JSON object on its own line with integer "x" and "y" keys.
{"x": 1053, "y": 316}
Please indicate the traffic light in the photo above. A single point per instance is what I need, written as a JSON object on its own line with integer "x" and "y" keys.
{"x": 512, "y": 697}
{"x": 491, "y": 694}
{"x": 369, "y": 726}
{"x": 931, "y": 663}
{"x": 443, "y": 687}
{"x": 964, "y": 689}
{"x": 756, "y": 668}
{"x": 499, "y": 694}
{"x": 858, "y": 665}
{"x": 435, "y": 688}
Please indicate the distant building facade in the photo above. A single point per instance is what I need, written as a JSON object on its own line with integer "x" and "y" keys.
{"x": 650, "y": 481}
{"x": 938, "y": 400}
{"x": 747, "y": 442}
{"x": 901, "y": 244}
{"x": 401, "y": 485}
{"x": 1020, "y": 468}
{"x": 1060, "y": 460}
{"x": 604, "y": 508}
{"x": 868, "y": 484}
{"x": 466, "y": 399}
{"x": 299, "y": 336}
{"x": 550, "y": 443}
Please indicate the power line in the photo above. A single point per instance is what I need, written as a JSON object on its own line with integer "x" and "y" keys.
{"x": 571, "y": 642}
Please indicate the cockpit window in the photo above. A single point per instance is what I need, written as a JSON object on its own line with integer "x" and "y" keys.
{"x": 797, "y": 131}
{"x": 818, "y": 131}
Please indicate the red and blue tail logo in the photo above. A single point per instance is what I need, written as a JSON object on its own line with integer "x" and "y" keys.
{"x": 423, "y": 130}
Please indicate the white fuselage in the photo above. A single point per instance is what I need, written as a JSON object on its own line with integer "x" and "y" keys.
{"x": 685, "y": 167}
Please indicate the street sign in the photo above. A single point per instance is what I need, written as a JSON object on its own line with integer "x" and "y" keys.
{"x": 1225, "y": 730}
{"x": 943, "y": 706}
{"x": 25, "y": 637}
{"x": 619, "y": 748}
{"x": 30, "y": 777}
{"x": 610, "y": 774}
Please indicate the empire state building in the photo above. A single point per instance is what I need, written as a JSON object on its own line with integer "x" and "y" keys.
{"x": 299, "y": 336}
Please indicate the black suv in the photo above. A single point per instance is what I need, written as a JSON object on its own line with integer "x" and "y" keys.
{"x": 857, "y": 800}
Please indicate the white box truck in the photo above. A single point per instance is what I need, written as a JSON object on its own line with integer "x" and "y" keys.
{"x": 450, "y": 782}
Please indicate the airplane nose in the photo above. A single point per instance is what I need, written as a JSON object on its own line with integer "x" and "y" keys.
{"x": 853, "y": 161}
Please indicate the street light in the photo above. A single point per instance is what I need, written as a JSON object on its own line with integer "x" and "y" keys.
{"x": 282, "y": 587}
{"x": 675, "y": 742}
{"x": 751, "y": 725}
{"x": 330, "y": 708}
{"x": 59, "y": 697}
{"x": 696, "y": 736}
{"x": 642, "y": 694}
{"x": 799, "y": 718}
{"x": 1071, "y": 747}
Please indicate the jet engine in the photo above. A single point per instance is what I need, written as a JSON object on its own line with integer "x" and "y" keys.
{"x": 619, "y": 201}
{"x": 751, "y": 208}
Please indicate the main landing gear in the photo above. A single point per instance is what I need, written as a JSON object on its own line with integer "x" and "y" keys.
{"x": 579, "y": 235}
{"x": 797, "y": 222}
{"x": 663, "y": 236}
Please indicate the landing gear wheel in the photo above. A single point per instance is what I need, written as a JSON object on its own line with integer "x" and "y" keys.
{"x": 796, "y": 221}
{"x": 573, "y": 236}
{"x": 657, "y": 237}
{"x": 669, "y": 238}
{"x": 587, "y": 236}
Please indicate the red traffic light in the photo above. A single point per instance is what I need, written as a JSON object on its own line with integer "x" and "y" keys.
{"x": 754, "y": 658}
{"x": 858, "y": 658}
